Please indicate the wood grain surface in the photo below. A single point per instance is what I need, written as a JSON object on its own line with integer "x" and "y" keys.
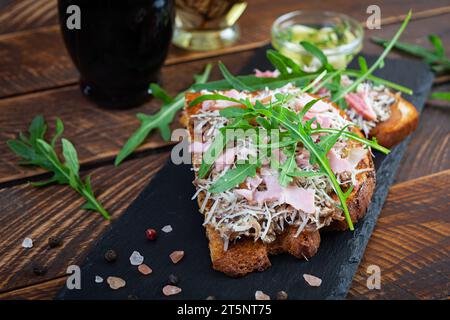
{"x": 100, "y": 133}
{"x": 410, "y": 243}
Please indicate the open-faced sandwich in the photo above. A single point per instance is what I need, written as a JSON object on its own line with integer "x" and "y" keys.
{"x": 272, "y": 192}
{"x": 280, "y": 156}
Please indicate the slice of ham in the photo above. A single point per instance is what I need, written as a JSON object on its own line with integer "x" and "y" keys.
{"x": 198, "y": 147}
{"x": 299, "y": 198}
{"x": 267, "y": 73}
{"x": 322, "y": 120}
{"x": 318, "y": 107}
{"x": 339, "y": 165}
{"x": 356, "y": 102}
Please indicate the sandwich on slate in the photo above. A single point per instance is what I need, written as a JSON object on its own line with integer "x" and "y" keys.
{"x": 279, "y": 201}
{"x": 279, "y": 156}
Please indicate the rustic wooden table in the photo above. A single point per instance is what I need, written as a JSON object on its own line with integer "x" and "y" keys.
{"x": 411, "y": 241}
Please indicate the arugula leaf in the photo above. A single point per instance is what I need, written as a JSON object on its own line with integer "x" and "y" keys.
{"x": 435, "y": 58}
{"x": 316, "y": 52}
{"x": 441, "y": 95}
{"x": 234, "y": 177}
{"x": 232, "y": 80}
{"x": 288, "y": 168}
{"x": 160, "y": 120}
{"x": 34, "y": 150}
{"x": 160, "y": 93}
{"x": 377, "y": 63}
{"x": 214, "y": 96}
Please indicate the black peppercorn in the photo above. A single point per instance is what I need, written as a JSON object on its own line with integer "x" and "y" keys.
{"x": 173, "y": 280}
{"x": 39, "y": 269}
{"x": 110, "y": 256}
{"x": 54, "y": 242}
{"x": 282, "y": 295}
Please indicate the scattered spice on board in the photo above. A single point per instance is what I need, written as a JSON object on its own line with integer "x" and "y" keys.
{"x": 151, "y": 234}
{"x": 176, "y": 256}
{"x": 170, "y": 290}
{"x": 173, "y": 280}
{"x": 313, "y": 281}
{"x": 282, "y": 295}
{"x": 259, "y": 295}
{"x": 136, "y": 258}
{"x": 110, "y": 256}
{"x": 27, "y": 243}
{"x": 54, "y": 242}
{"x": 116, "y": 282}
{"x": 145, "y": 269}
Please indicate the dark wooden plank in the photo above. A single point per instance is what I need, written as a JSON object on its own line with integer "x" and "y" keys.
{"x": 40, "y": 291}
{"x": 411, "y": 243}
{"x": 19, "y": 15}
{"x": 52, "y": 67}
{"x": 97, "y": 133}
{"x": 54, "y": 211}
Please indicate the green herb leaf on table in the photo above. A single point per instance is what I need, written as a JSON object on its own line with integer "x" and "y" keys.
{"x": 160, "y": 120}
{"x": 436, "y": 58}
{"x": 34, "y": 150}
{"x": 441, "y": 96}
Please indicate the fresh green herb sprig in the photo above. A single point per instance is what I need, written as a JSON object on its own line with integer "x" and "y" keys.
{"x": 436, "y": 58}
{"x": 441, "y": 96}
{"x": 35, "y": 151}
{"x": 160, "y": 120}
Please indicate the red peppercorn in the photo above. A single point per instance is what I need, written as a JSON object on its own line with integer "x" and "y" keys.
{"x": 151, "y": 234}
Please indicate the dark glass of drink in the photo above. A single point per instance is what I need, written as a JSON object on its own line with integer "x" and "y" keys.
{"x": 118, "y": 46}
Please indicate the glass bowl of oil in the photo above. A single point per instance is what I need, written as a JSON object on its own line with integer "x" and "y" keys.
{"x": 339, "y": 36}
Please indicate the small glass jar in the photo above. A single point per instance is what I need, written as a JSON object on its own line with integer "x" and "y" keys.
{"x": 203, "y": 25}
{"x": 339, "y": 36}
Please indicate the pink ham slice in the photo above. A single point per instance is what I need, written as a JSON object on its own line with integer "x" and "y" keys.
{"x": 199, "y": 147}
{"x": 339, "y": 165}
{"x": 357, "y": 103}
{"x": 299, "y": 198}
{"x": 267, "y": 74}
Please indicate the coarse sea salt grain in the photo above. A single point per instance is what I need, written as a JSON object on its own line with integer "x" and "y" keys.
{"x": 259, "y": 295}
{"x": 313, "y": 281}
{"x": 136, "y": 258}
{"x": 171, "y": 290}
{"x": 98, "y": 279}
{"x": 27, "y": 243}
{"x": 176, "y": 256}
{"x": 167, "y": 229}
{"x": 116, "y": 282}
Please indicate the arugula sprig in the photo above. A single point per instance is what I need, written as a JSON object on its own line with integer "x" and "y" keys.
{"x": 34, "y": 150}
{"x": 436, "y": 58}
{"x": 160, "y": 120}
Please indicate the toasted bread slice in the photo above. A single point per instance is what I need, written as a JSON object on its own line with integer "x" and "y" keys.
{"x": 402, "y": 122}
{"x": 246, "y": 255}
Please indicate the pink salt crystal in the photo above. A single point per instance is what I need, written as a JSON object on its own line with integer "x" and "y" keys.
{"x": 116, "y": 282}
{"x": 145, "y": 269}
{"x": 176, "y": 256}
{"x": 312, "y": 280}
{"x": 259, "y": 295}
{"x": 171, "y": 290}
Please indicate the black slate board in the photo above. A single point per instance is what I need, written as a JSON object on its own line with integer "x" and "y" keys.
{"x": 167, "y": 200}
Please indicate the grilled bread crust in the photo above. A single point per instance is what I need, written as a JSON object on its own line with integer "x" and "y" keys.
{"x": 247, "y": 255}
{"x": 402, "y": 122}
